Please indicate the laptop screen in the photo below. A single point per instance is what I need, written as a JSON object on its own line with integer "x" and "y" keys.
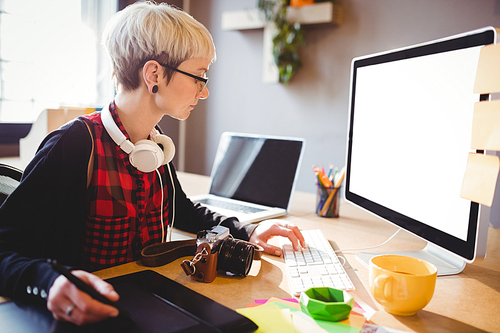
{"x": 256, "y": 169}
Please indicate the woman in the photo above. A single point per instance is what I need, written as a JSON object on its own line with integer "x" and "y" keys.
{"x": 91, "y": 198}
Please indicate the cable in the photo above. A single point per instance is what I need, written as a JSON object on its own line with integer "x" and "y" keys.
{"x": 161, "y": 205}
{"x": 371, "y": 247}
{"x": 344, "y": 261}
{"x": 173, "y": 204}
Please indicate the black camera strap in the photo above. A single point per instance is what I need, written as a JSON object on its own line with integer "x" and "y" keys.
{"x": 163, "y": 253}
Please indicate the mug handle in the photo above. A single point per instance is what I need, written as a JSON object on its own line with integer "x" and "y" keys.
{"x": 383, "y": 287}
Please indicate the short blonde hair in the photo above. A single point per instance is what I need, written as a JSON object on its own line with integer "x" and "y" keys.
{"x": 148, "y": 31}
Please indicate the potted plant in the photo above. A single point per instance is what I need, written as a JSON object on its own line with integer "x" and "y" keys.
{"x": 289, "y": 37}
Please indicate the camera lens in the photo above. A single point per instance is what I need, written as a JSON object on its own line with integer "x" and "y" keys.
{"x": 235, "y": 256}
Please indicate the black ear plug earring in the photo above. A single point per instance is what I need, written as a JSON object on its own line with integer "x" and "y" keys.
{"x": 154, "y": 89}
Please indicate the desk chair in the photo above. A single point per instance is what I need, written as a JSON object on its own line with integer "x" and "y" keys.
{"x": 9, "y": 180}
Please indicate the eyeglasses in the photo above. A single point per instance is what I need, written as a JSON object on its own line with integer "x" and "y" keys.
{"x": 200, "y": 81}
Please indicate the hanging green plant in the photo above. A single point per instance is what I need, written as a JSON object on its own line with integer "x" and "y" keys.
{"x": 289, "y": 37}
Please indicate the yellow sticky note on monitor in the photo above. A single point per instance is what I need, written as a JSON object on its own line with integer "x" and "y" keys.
{"x": 486, "y": 126}
{"x": 488, "y": 70}
{"x": 480, "y": 178}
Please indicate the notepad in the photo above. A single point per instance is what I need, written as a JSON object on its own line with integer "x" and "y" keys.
{"x": 284, "y": 316}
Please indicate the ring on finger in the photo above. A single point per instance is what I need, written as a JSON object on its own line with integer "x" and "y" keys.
{"x": 70, "y": 309}
{"x": 285, "y": 225}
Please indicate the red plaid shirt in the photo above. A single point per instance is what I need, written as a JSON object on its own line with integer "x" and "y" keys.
{"x": 124, "y": 204}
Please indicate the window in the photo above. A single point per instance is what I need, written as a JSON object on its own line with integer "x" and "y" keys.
{"x": 50, "y": 55}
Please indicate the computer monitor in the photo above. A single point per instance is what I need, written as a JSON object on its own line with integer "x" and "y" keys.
{"x": 409, "y": 135}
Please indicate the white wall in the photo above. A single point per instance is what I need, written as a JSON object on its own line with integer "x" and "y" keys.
{"x": 315, "y": 104}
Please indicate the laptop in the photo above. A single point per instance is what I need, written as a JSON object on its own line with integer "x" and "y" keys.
{"x": 253, "y": 176}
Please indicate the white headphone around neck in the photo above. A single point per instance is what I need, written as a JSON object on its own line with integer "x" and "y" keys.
{"x": 145, "y": 155}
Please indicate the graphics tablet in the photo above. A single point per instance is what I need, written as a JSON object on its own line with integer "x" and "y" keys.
{"x": 156, "y": 304}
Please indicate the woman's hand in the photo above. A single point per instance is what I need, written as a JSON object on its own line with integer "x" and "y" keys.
{"x": 271, "y": 228}
{"x": 68, "y": 303}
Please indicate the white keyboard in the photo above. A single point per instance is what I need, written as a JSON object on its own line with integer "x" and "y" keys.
{"x": 315, "y": 266}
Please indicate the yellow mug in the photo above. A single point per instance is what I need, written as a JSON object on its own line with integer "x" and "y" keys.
{"x": 402, "y": 285}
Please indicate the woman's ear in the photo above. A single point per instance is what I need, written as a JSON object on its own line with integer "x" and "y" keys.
{"x": 150, "y": 74}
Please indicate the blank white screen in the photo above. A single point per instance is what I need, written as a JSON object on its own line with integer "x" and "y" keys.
{"x": 411, "y": 136}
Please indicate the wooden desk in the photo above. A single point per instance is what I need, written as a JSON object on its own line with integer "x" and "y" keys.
{"x": 467, "y": 302}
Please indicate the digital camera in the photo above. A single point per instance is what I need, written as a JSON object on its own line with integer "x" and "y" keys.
{"x": 216, "y": 251}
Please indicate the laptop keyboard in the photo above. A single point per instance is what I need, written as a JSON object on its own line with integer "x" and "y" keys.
{"x": 315, "y": 266}
{"x": 230, "y": 206}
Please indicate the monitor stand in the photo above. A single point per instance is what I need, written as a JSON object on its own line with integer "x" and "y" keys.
{"x": 446, "y": 262}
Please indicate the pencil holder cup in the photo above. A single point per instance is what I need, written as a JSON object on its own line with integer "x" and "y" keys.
{"x": 327, "y": 201}
{"x": 324, "y": 303}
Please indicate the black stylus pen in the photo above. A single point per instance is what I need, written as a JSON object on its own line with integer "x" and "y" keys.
{"x": 88, "y": 289}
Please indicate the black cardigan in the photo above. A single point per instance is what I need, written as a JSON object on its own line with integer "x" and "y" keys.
{"x": 45, "y": 216}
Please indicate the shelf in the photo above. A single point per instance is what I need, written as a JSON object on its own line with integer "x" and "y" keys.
{"x": 325, "y": 12}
